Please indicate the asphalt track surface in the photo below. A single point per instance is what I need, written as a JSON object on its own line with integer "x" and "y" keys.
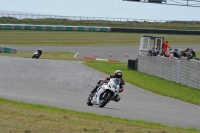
{"x": 66, "y": 84}
{"x": 103, "y": 52}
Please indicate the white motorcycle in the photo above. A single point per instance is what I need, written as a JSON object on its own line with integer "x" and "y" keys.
{"x": 105, "y": 93}
{"x": 36, "y": 55}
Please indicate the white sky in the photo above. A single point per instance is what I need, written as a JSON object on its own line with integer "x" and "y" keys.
{"x": 103, "y": 8}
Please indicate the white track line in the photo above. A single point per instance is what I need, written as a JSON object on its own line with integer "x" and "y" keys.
{"x": 76, "y": 55}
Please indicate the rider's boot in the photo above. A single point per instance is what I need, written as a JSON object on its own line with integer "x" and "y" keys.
{"x": 95, "y": 88}
{"x": 93, "y": 91}
{"x": 116, "y": 98}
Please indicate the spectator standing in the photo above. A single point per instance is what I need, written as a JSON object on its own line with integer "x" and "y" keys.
{"x": 162, "y": 53}
{"x": 165, "y": 46}
{"x": 193, "y": 53}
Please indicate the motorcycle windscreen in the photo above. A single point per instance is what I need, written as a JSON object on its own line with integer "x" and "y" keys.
{"x": 116, "y": 80}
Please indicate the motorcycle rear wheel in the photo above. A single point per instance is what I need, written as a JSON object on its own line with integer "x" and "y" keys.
{"x": 104, "y": 98}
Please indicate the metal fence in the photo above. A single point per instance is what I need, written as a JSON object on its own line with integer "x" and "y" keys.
{"x": 14, "y": 17}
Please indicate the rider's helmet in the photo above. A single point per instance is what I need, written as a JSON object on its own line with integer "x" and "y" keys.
{"x": 118, "y": 74}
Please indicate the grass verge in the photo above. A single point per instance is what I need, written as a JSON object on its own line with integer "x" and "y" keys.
{"x": 72, "y": 38}
{"x": 19, "y": 117}
{"x": 46, "y": 55}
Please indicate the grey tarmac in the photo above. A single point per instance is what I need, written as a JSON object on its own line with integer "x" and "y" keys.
{"x": 67, "y": 84}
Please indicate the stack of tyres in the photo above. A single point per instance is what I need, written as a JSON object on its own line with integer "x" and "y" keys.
{"x": 132, "y": 64}
{"x": 129, "y": 63}
{"x": 136, "y": 64}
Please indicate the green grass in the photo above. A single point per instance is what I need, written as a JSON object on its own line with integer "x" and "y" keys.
{"x": 19, "y": 117}
{"x": 190, "y": 25}
{"x": 197, "y": 54}
{"x": 71, "y": 38}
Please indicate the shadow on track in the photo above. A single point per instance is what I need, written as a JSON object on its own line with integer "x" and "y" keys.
{"x": 108, "y": 108}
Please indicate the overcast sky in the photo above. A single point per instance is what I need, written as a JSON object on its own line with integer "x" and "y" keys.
{"x": 103, "y": 8}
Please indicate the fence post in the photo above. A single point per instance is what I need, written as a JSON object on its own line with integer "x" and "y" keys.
{"x": 178, "y": 71}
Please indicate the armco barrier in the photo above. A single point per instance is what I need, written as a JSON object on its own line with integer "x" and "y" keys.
{"x": 183, "y": 71}
{"x": 53, "y": 27}
{"x": 13, "y": 50}
{"x": 1, "y": 49}
{"x": 8, "y": 50}
{"x": 96, "y": 29}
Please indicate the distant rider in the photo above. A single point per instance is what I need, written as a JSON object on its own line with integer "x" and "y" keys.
{"x": 37, "y": 54}
{"x": 117, "y": 74}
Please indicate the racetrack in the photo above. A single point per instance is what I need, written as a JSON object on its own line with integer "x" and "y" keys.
{"x": 66, "y": 84}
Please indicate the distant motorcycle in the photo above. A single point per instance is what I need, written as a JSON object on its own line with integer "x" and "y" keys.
{"x": 36, "y": 55}
{"x": 105, "y": 93}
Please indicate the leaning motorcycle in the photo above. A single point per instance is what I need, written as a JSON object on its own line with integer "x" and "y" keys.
{"x": 36, "y": 55}
{"x": 105, "y": 93}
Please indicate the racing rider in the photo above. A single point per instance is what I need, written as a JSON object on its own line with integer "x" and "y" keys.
{"x": 117, "y": 74}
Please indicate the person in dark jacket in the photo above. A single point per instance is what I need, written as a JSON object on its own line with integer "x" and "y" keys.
{"x": 176, "y": 53}
{"x": 117, "y": 74}
{"x": 162, "y": 53}
{"x": 193, "y": 53}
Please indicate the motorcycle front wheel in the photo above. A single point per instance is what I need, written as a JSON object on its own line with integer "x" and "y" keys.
{"x": 89, "y": 101}
{"x": 104, "y": 98}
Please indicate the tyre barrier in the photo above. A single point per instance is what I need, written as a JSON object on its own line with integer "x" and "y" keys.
{"x": 157, "y": 31}
{"x": 8, "y": 50}
{"x": 133, "y": 64}
{"x": 53, "y": 28}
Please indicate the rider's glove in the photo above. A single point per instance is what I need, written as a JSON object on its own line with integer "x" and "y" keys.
{"x": 121, "y": 90}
